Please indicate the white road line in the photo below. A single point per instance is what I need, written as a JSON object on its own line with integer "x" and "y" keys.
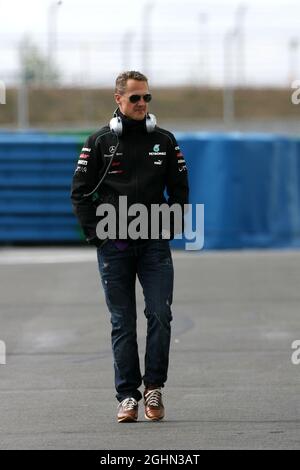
{"x": 47, "y": 256}
{"x": 17, "y": 256}
{"x": 55, "y": 256}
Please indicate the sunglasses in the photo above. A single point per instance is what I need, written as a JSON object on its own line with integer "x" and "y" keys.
{"x": 136, "y": 98}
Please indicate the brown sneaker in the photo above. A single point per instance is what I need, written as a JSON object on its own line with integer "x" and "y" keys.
{"x": 128, "y": 411}
{"x": 154, "y": 408}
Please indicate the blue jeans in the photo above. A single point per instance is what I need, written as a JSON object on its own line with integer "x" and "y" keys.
{"x": 151, "y": 262}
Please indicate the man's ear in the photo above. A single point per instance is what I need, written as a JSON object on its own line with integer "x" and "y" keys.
{"x": 117, "y": 98}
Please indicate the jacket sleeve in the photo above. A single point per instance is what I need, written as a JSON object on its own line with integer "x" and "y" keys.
{"x": 85, "y": 179}
{"x": 177, "y": 179}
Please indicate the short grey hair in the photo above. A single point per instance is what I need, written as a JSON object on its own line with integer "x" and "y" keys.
{"x": 122, "y": 78}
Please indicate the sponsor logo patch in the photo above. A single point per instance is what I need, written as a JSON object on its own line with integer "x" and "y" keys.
{"x": 81, "y": 169}
{"x": 180, "y": 160}
{"x": 110, "y": 154}
{"x": 156, "y": 151}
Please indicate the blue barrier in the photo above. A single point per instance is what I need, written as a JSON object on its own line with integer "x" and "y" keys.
{"x": 248, "y": 183}
{"x": 250, "y": 187}
{"x": 35, "y": 177}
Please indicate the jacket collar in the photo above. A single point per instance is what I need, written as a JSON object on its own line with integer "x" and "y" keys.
{"x": 132, "y": 125}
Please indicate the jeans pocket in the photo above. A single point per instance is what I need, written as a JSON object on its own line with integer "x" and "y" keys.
{"x": 106, "y": 246}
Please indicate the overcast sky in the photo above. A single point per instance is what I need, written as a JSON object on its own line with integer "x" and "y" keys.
{"x": 185, "y": 39}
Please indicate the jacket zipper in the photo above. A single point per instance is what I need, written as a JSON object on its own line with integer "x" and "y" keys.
{"x": 135, "y": 168}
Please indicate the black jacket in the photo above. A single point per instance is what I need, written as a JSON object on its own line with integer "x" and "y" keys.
{"x": 144, "y": 166}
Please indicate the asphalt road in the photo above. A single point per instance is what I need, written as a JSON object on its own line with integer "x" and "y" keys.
{"x": 232, "y": 384}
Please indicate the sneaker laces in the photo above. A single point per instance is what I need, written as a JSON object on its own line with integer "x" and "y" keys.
{"x": 128, "y": 404}
{"x": 153, "y": 398}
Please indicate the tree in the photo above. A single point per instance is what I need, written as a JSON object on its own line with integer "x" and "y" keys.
{"x": 35, "y": 68}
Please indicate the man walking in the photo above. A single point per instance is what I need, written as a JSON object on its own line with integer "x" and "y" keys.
{"x": 139, "y": 160}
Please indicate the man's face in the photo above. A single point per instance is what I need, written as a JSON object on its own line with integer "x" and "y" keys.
{"x": 133, "y": 110}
